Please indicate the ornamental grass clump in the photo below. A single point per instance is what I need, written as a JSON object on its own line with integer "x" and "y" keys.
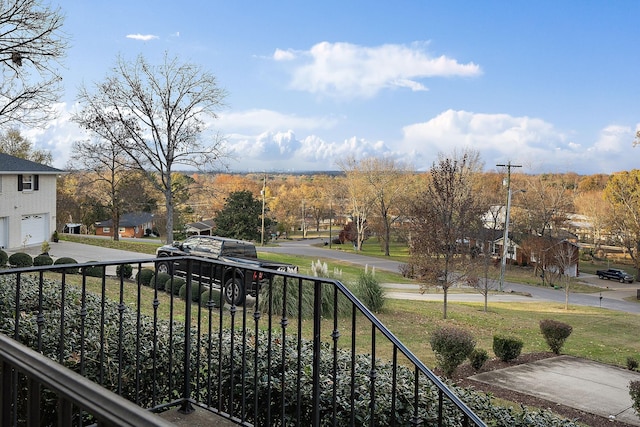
{"x": 555, "y": 333}
{"x": 452, "y": 346}
{"x": 369, "y": 291}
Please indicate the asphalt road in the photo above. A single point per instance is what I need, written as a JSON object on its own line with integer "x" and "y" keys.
{"x": 611, "y": 297}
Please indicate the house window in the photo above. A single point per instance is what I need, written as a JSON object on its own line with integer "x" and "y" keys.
{"x": 106, "y": 230}
{"x": 28, "y": 182}
{"x": 0, "y": 183}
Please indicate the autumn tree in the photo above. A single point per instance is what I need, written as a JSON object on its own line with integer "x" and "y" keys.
{"x": 443, "y": 219}
{"x": 14, "y": 144}
{"x": 596, "y": 209}
{"x": 157, "y": 116}
{"x": 545, "y": 205}
{"x": 386, "y": 181}
{"x": 359, "y": 200}
{"x": 241, "y": 217}
{"x": 32, "y": 45}
{"x": 623, "y": 194}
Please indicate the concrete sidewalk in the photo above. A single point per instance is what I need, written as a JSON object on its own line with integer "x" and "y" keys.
{"x": 582, "y": 384}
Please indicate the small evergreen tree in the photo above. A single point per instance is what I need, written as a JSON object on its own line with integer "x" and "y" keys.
{"x": 241, "y": 217}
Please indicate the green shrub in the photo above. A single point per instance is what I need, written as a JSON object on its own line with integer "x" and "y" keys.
{"x": 632, "y": 363}
{"x": 94, "y": 270}
{"x": 195, "y": 291}
{"x": 67, "y": 260}
{"x": 634, "y": 392}
{"x": 159, "y": 280}
{"x": 507, "y": 348}
{"x": 212, "y": 295}
{"x": 227, "y": 363}
{"x": 124, "y": 270}
{"x": 452, "y": 346}
{"x": 369, "y": 291}
{"x": 555, "y": 333}
{"x": 42, "y": 259}
{"x": 173, "y": 286}
{"x": 4, "y": 258}
{"x": 477, "y": 358}
{"x": 20, "y": 259}
{"x": 145, "y": 275}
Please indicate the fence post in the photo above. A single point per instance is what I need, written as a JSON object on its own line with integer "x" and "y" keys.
{"x": 186, "y": 407}
{"x": 317, "y": 316}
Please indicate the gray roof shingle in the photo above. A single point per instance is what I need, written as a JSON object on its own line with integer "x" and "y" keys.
{"x": 15, "y": 165}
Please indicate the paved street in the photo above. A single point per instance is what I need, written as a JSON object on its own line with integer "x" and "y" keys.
{"x": 612, "y": 293}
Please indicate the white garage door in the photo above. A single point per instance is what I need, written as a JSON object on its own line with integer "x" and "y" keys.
{"x": 33, "y": 229}
{"x": 4, "y": 234}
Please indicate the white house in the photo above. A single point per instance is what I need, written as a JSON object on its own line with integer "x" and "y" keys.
{"x": 27, "y": 202}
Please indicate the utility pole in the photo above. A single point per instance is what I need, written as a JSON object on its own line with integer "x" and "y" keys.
{"x": 505, "y": 234}
{"x": 264, "y": 195}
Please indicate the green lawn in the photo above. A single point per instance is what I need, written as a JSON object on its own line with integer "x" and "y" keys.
{"x": 598, "y": 334}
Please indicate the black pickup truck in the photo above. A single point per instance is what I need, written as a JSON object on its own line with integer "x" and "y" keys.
{"x": 615, "y": 274}
{"x": 241, "y": 256}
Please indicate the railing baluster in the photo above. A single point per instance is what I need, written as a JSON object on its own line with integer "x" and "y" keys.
{"x": 186, "y": 407}
{"x": 317, "y": 352}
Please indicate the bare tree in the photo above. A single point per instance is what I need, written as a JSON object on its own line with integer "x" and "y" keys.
{"x": 14, "y": 144}
{"x": 109, "y": 173}
{"x": 32, "y": 46}
{"x": 444, "y": 217}
{"x": 156, "y": 115}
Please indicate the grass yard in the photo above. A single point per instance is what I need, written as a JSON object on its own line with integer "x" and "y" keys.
{"x": 598, "y": 334}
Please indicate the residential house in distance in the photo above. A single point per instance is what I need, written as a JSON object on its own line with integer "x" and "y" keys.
{"x": 137, "y": 224}
{"x": 27, "y": 202}
{"x": 203, "y": 228}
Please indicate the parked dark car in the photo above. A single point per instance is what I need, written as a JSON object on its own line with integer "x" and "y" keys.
{"x": 236, "y": 278}
{"x": 615, "y": 274}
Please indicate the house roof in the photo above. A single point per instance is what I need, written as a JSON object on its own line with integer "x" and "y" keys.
{"x": 10, "y": 165}
{"x": 206, "y": 224}
{"x": 129, "y": 220}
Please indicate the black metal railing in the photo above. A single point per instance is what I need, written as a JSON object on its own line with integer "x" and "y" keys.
{"x": 302, "y": 350}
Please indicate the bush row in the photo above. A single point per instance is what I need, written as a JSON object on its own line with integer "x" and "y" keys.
{"x": 177, "y": 286}
{"x": 22, "y": 259}
{"x": 453, "y": 345}
{"x": 144, "y": 378}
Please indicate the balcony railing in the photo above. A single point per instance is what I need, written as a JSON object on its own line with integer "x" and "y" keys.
{"x": 302, "y": 351}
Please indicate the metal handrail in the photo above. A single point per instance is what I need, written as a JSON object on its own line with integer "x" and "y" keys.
{"x": 70, "y": 388}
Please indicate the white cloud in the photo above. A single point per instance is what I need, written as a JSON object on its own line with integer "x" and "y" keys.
{"x": 283, "y": 55}
{"x": 532, "y": 142}
{"x": 142, "y": 37}
{"x": 346, "y": 70}
{"x": 261, "y": 120}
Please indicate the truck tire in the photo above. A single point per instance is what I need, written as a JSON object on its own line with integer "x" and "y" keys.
{"x": 234, "y": 291}
{"x": 164, "y": 267}
{"x": 601, "y": 277}
{"x": 622, "y": 280}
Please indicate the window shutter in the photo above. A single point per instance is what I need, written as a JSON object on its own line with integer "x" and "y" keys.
{"x": 20, "y": 183}
{"x": 36, "y": 182}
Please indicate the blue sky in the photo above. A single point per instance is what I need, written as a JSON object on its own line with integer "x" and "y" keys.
{"x": 551, "y": 85}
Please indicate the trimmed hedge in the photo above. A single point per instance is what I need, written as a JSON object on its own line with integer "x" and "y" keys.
{"x": 452, "y": 346}
{"x": 67, "y": 260}
{"x": 212, "y": 295}
{"x": 42, "y": 259}
{"x": 159, "y": 280}
{"x": 477, "y": 358}
{"x": 4, "y": 258}
{"x": 147, "y": 382}
{"x": 94, "y": 270}
{"x": 173, "y": 286}
{"x": 145, "y": 275}
{"x": 555, "y": 333}
{"x": 195, "y": 291}
{"x": 125, "y": 271}
{"x": 20, "y": 259}
{"x": 507, "y": 348}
